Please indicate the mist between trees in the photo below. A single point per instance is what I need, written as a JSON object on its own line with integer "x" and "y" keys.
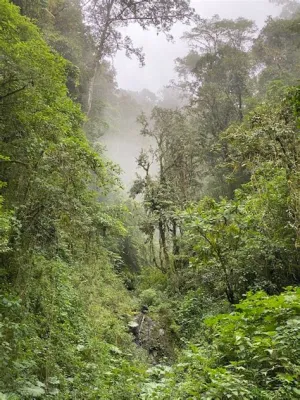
{"x": 178, "y": 277}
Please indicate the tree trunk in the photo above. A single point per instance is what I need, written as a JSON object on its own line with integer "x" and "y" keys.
{"x": 152, "y": 252}
{"x": 176, "y": 248}
{"x": 91, "y": 88}
{"x": 99, "y": 56}
{"x": 241, "y": 116}
{"x": 163, "y": 242}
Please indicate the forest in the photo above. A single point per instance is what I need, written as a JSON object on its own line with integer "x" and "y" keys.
{"x": 179, "y": 280}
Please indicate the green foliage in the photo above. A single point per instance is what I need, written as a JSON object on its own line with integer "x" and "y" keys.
{"x": 68, "y": 253}
{"x": 5, "y": 226}
{"x": 215, "y": 75}
{"x": 252, "y": 353}
{"x": 34, "y": 8}
{"x": 240, "y": 244}
{"x": 191, "y": 310}
{"x": 277, "y": 49}
{"x": 171, "y": 178}
{"x": 269, "y": 140}
{"x": 62, "y": 308}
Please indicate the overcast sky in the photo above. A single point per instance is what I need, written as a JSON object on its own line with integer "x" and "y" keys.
{"x": 160, "y": 54}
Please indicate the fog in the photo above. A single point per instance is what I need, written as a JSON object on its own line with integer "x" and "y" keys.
{"x": 160, "y": 54}
{"x": 124, "y": 147}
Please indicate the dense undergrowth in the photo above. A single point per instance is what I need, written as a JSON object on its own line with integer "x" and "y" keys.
{"x": 61, "y": 301}
{"x": 211, "y": 247}
{"x": 251, "y": 353}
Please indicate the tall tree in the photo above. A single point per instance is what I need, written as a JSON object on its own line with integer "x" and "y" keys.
{"x": 276, "y": 52}
{"x": 107, "y": 17}
{"x": 215, "y": 76}
{"x": 289, "y": 7}
{"x": 217, "y": 68}
{"x": 53, "y": 260}
{"x": 175, "y": 179}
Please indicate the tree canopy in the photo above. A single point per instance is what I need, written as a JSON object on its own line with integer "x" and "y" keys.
{"x": 187, "y": 287}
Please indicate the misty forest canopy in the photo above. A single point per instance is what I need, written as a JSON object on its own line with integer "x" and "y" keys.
{"x": 106, "y": 17}
{"x": 185, "y": 285}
